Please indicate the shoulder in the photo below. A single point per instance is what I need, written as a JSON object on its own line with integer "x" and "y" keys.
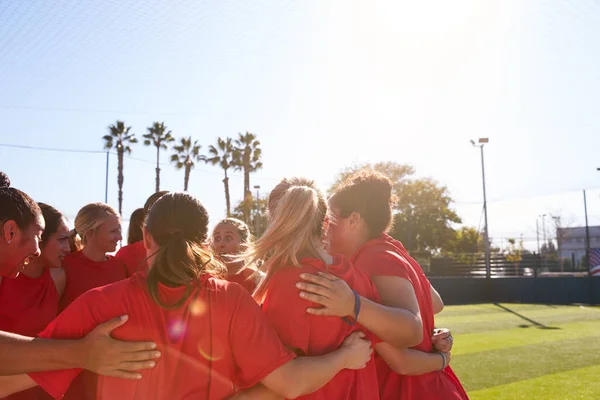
{"x": 111, "y": 293}
{"x": 291, "y": 273}
{"x": 382, "y": 259}
{"x": 59, "y": 276}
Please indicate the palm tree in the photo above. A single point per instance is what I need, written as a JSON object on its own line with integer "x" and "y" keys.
{"x": 247, "y": 159}
{"x": 158, "y": 137}
{"x": 222, "y": 154}
{"x": 186, "y": 155}
{"x": 120, "y": 139}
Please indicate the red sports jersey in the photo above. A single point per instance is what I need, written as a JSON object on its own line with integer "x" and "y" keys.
{"x": 84, "y": 274}
{"x": 317, "y": 335}
{"x": 385, "y": 256}
{"x": 134, "y": 257}
{"x": 28, "y": 306}
{"x": 219, "y": 341}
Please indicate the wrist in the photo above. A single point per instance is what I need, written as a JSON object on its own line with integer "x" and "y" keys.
{"x": 444, "y": 361}
{"x": 350, "y": 308}
{"x": 74, "y": 355}
{"x": 344, "y": 357}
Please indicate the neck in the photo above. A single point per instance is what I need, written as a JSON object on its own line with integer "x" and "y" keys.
{"x": 34, "y": 269}
{"x": 353, "y": 246}
{"x": 94, "y": 253}
{"x": 234, "y": 267}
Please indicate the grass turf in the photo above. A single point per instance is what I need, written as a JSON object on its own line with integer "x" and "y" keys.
{"x": 524, "y": 351}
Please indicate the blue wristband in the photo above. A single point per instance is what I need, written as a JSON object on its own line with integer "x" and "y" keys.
{"x": 356, "y": 309}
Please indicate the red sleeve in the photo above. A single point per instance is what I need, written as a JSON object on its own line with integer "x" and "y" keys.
{"x": 76, "y": 321}
{"x": 255, "y": 346}
{"x": 381, "y": 262}
{"x": 286, "y": 311}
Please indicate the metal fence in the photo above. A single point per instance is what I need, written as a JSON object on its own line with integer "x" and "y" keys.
{"x": 473, "y": 265}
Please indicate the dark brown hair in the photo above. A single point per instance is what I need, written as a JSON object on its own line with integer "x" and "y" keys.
{"x": 52, "y": 217}
{"x": 178, "y": 223}
{"x": 153, "y": 199}
{"x": 136, "y": 221}
{"x": 16, "y": 205}
{"x": 368, "y": 193}
{"x": 4, "y": 181}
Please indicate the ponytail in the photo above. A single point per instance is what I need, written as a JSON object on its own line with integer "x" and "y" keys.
{"x": 178, "y": 223}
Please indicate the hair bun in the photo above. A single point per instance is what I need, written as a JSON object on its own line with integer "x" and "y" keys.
{"x": 4, "y": 180}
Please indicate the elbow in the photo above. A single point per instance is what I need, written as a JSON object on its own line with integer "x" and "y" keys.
{"x": 415, "y": 336}
{"x": 295, "y": 389}
{"x": 293, "y": 392}
{"x": 410, "y": 335}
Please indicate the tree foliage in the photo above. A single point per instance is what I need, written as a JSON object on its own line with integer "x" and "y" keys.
{"x": 423, "y": 215}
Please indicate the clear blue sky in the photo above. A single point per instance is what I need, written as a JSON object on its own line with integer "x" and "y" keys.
{"x": 323, "y": 84}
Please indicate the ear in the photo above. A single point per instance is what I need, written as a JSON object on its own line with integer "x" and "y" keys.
{"x": 149, "y": 242}
{"x": 354, "y": 219}
{"x": 9, "y": 231}
{"x": 326, "y": 222}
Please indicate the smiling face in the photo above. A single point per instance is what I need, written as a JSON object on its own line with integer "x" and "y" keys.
{"x": 226, "y": 239}
{"x": 21, "y": 245}
{"x": 107, "y": 235}
{"x": 56, "y": 247}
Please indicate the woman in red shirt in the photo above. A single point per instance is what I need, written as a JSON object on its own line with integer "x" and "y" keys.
{"x": 363, "y": 213}
{"x": 134, "y": 254}
{"x": 213, "y": 337}
{"x": 98, "y": 228}
{"x": 230, "y": 238}
{"x": 33, "y": 295}
{"x": 292, "y": 245}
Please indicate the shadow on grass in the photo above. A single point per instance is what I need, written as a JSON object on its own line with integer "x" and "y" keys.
{"x": 535, "y": 323}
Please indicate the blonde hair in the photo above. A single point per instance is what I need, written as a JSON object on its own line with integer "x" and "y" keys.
{"x": 178, "y": 223}
{"x": 88, "y": 219}
{"x": 297, "y": 212}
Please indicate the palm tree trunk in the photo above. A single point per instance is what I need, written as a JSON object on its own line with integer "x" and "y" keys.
{"x": 120, "y": 178}
{"x": 247, "y": 193}
{"x": 188, "y": 169}
{"x": 227, "y": 200}
{"x": 157, "y": 169}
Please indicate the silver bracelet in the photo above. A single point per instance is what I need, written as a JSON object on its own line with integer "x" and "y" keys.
{"x": 445, "y": 362}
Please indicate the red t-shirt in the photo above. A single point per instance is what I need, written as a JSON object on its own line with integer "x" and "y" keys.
{"x": 317, "y": 335}
{"x": 385, "y": 256}
{"x": 243, "y": 278}
{"x": 28, "y": 306}
{"x": 217, "y": 342}
{"x": 84, "y": 274}
{"x": 134, "y": 257}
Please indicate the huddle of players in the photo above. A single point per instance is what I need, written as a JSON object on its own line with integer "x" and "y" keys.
{"x": 297, "y": 312}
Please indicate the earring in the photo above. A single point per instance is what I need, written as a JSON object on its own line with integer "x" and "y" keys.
{"x": 8, "y": 241}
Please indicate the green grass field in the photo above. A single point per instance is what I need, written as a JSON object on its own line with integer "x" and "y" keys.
{"x": 525, "y": 351}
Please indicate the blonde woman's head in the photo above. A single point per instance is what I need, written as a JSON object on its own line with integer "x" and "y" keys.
{"x": 98, "y": 224}
{"x": 298, "y": 215}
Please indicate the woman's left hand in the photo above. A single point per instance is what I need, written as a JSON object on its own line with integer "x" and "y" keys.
{"x": 328, "y": 290}
{"x": 442, "y": 340}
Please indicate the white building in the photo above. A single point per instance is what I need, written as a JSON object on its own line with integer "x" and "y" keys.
{"x": 571, "y": 242}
